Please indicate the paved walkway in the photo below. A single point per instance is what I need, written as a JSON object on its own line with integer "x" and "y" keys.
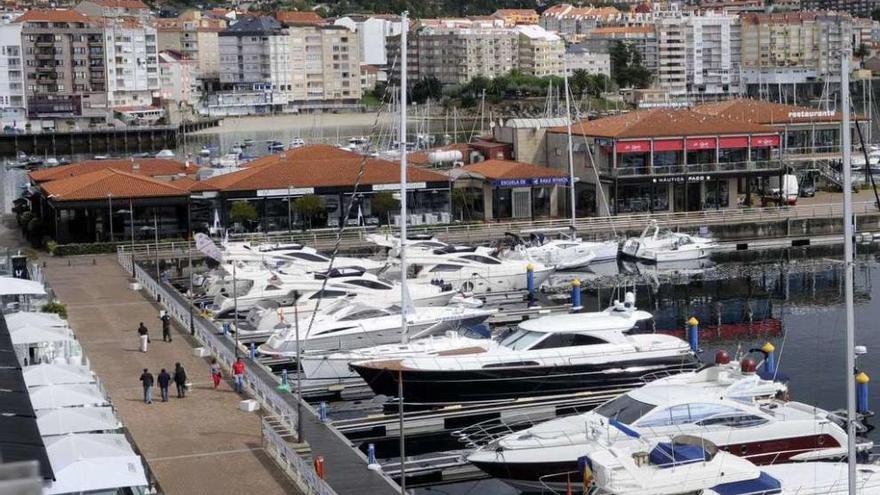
{"x": 200, "y": 444}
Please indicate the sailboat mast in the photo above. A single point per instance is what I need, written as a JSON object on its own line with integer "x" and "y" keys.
{"x": 846, "y": 150}
{"x": 404, "y": 303}
{"x": 570, "y": 150}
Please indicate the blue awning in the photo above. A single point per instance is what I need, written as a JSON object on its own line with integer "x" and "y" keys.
{"x": 670, "y": 454}
{"x": 762, "y": 485}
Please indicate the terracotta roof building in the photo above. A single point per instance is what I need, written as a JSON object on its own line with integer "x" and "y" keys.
{"x": 151, "y": 167}
{"x": 297, "y": 17}
{"x": 505, "y": 189}
{"x": 270, "y": 183}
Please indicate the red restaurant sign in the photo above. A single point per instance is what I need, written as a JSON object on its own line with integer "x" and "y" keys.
{"x": 765, "y": 141}
{"x": 734, "y": 142}
{"x": 633, "y": 146}
{"x": 701, "y": 143}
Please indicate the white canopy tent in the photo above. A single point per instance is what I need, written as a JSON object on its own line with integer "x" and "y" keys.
{"x": 55, "y": 396}
{"x": 30, "y": 334}
{"x": 77, "y": 420}
{"x": 57, "y": 374}
{"x": 32, "y": 318}
{"x": 93, "y": 462}
{"x": 10, "y": 286}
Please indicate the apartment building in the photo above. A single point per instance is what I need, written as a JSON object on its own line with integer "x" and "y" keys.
{"x": 64, "y": 65}
{"x": 12, "y": 102}
{"x": 178, "y": 78}
{"x": 326, "y": 61}
{"x": 541, "y": 52}
{"x": 255, "y": 56}
{"x": 794, "y": 47}
{"x": 196, "y": 37}
{"x": 576, "y": 23}
{"x": 456, "y": 51}
{"x": 579, "y": 57}
{"x": 132, "y": 62}
{"x": 516, "y": 17}
{"x": 372, "y": 33}
{"x": 713, "y": 52}
{"x": 114, "y": 8}
{"x": 642, "y": 38}
{"x": 856, "y": 8}
{"x": 671, "y": 52}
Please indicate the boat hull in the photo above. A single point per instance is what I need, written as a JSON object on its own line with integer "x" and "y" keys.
{"x": 495, "y": 384}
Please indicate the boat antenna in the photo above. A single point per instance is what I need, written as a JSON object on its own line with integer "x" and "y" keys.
{"x": 848, "y": 231}
{"x": 570, "y": 150}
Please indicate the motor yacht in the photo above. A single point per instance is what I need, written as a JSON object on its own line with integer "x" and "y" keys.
{"x": 661, "y": 245}
{"x": 413, "y": 241}
{"x": 165, "y": 154}
{"x": 566, "y": 253}
{"x": 555, "y": 354}
{"x": 684, "y": 465}
{"x": 474, "y": 270}
{"x": 296, "y": 142}
{"x": 354, "y": 325}
{"x": 733, "y": 412}
{"x": 305, "y": 258}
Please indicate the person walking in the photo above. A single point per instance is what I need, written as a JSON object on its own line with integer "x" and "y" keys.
{"x": 166, "y": 326}
{"x": 216, "y": 376}
{"x": 238, "y": 375}
{"x": 164, "y": 380}
{"x": 180, "y": 380}
{"x": 145, "y": 337}
{"x": 147, "y": 382}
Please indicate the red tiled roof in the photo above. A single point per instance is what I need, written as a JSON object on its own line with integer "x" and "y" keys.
{"x": 299, "y": 17}
{"x": 122, "y": 4}
{"x": 151, "y": 167}
{"x": 659, "y": 122}
{"x": 765, "y": 112}
{"x": 100, "y": 184}
{"x": 313, "y": 166}
{"x": 53, "y": 15}
{"x": 508, "y": 169}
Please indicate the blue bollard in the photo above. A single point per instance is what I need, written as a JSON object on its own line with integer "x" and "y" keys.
{"x": 371, "y": 453}
{"x": 253, "y": 350}
{"x": 693, "y": 333}
{"x": 322, "y": 412}
{"x": 862, "y": 380}
{"x": 770, "y": 360}
{"x": 530, "y": 283}
{"x": 226, "y": 328}
{"x": 576, "y": 296}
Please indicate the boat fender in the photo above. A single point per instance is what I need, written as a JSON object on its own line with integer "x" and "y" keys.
{"x": 748, "y": 366}
{"x": 722, "y": 357}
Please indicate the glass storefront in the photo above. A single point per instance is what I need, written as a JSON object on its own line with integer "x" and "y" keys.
{"x": 717, "y": 194}
{"x": 637, "y": 198}
{"x": 541, "y": 201}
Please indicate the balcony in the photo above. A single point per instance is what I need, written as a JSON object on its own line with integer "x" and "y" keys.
{"x": 694, "y": 169}
{"x": 44, "y": 43}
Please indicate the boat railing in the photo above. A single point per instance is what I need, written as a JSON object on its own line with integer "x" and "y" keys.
{"x": 486, "y": 432}
{"x": 563, "y": 478}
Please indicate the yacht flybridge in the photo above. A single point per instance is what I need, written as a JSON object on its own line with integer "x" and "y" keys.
{"x": 685, "y": 465}
{"x": 728, "y": 409}
{"x": 303, "y": 257}
{"x": 661, "y": 245}
{"x": 348, "y": 325}
{"x": 550, "y": 355}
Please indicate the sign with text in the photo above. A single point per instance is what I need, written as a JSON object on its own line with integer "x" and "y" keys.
{"x": 293, "y": 191}
{"x": 765, "y": 141}
{"x": 706, "y": 143}
{"x": 533, "y": 181}
{"x": 681, "y": 179}
{"x": 396, "y": 186}
{"x": 642, "y": 146}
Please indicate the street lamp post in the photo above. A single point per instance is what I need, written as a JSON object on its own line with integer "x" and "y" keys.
{"x": 192, "y": 325}
{"x": 110, "y": 211}
{"x": 289, "y": 216}
{"x": 156, "y": 232}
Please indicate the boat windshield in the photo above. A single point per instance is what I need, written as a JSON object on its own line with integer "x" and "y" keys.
{"x": 624, "y": 409}
{"x": 521, "y": 339}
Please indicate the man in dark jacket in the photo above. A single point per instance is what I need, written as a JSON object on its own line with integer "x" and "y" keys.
{"x": 147, "y": 381}
{"x": 180, "y": 380}
{"x": 166, "y": 326}
{"x": 164, "y": 380}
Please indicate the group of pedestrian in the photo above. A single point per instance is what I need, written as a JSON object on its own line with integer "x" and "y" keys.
{"x": 144, "y": 334}
{"x": 164, "y": 380}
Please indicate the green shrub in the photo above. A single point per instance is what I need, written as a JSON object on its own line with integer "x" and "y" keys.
{"x": 95, "y": 248}
{"x": 55, "y": 307}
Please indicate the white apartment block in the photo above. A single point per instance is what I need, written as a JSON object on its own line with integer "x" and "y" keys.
{"x": 713, "y": 54}
{"x": 326, "y": 62}
{"x": 255, "y": 55}
{"x": 372, "y": 34}
{"x": 578, "y": 57}
{"x": 456, "y": 51}
{"x": 132, "y": 62}
{"x": 541, "y": 52}
{"x": 672, "y": 53}
{"x": 12, "y": 100}
{"x": 178, "y": 78}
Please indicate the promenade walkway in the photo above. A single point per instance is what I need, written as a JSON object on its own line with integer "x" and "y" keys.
{"x": 198, "y": 445}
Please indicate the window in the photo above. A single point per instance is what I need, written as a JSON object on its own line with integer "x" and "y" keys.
{"x": 624, "y": 409}
{"x": 736, "y": 420}
{"x": 327, "y": 294}
{"x": 308, "y": 256}
{"x": 370, "y": 284}
{"x": 361, "y": 315}
{"x": 521, "y": 339}
{"x": 481, "y": 259}
{"x": 687, "y": 413}
{"x": 445, "y": 268}
{"x": 556, "y": 340}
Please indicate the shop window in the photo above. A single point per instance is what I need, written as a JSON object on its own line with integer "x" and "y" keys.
{"x": 642, "y": 198}
{"x": 541, "y": 201}
{"x": 717, "y": 194}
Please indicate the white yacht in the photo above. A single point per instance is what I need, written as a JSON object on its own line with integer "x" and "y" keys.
{"x": 165, "y": 154}
{"x": 303, "y": 257}
{"x": 566, "y": 253}
{"x": 474, "y": 270}
{"x": 736, "y": 417}
{"x": 413, "y": 241}
{"x": 661, "y": 245}
{"x": 296, "y": 142}
{"x": 353, "y": 325}
{"x": 684, "y": 465}
{"x": 556, "y": 354}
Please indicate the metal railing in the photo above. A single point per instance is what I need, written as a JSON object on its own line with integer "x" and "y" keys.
{"x": 694, "y": 168}
{"x": 290, "y": 461}
{"x": 223, "y": 350}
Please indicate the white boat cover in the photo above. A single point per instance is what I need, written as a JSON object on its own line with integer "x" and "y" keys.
{"x": 56, "y": 374}
{"x": 92, "y": 462}
{"x": 25, "y": 318}
{"x": 76, "y": 420}
{"x": 55, "y": 396}
{"x": 10, "y": 286}
{"x": 37, "y": 335}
